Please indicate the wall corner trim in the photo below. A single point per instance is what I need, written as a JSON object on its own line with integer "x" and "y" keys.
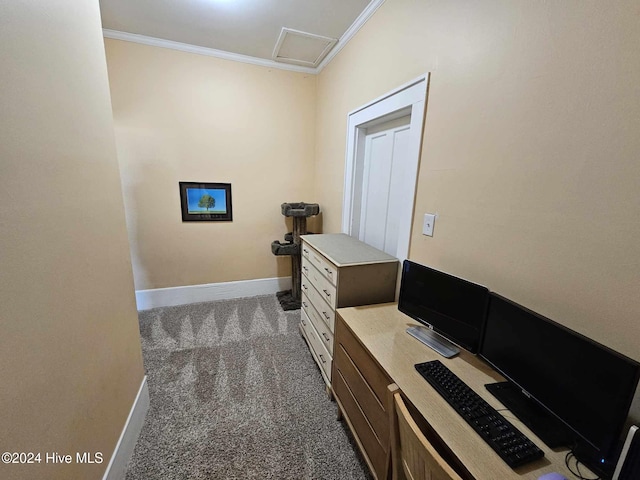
{"x": 359, "y": 22}
{"x": 116, "y": 469}
{"x": 169, "y": 297}
{"x": 198, "y": 50}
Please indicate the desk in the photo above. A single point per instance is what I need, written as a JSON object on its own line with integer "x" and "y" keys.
{"x": 380, "y": 329}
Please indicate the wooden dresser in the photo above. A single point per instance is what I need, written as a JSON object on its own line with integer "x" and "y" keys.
{"x": 339, "y": 271}
{"x": 360, "y": 389}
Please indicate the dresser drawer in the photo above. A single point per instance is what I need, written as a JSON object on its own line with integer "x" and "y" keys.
{"x": 376, "y": 379}
{"x": 323, "y": 285}
{"x": 374, "y": 452}
{"x": 323, "y": 359}
{"x": 326, "y": 268}
{"x": 374, "y": 411}
{"x": 326, "y": 336}
{"x": 326, "y": 312}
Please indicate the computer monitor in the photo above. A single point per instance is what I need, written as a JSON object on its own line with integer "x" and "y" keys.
{"x": 587, "y": 386}
{"x": 452, "y": 307}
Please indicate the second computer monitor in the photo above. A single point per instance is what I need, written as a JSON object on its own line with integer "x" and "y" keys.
{"x": 586, "y": 385}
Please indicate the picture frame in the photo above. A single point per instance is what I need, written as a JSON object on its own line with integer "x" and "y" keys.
{"x": 205, "y": 202}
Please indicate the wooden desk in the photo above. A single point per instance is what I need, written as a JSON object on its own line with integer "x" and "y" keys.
{"x": 380, "y": 329}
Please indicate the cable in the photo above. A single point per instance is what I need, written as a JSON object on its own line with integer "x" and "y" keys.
{"x": 578, "y": 473}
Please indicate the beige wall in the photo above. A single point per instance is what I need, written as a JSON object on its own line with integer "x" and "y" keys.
{"x": 69, "y": 347}
{"x": 531, "y": 150}
{"x": 186, "y": 117}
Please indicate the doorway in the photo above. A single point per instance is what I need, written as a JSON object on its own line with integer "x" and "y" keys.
{"x": 383, "y": 152}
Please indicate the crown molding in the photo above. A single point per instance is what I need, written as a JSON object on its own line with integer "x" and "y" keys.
{"x": 211, "y": 52}
{"x": 359, "y": 22}
{"x": 236, "y": 57}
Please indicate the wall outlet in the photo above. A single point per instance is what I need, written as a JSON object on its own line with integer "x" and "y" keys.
{"x": 427, "y": 226}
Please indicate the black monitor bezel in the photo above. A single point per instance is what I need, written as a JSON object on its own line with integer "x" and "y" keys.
{"x": 470, "y": 348}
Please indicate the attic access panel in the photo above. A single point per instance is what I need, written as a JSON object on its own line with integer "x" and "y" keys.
{"x": 302, "y": 48}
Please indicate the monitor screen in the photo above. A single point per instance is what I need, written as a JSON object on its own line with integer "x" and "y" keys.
{"x": 453, "y": 307}
{"x": 586, "y": 385}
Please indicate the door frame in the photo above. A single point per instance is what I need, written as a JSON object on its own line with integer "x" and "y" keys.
{"x": 408, "y": 99}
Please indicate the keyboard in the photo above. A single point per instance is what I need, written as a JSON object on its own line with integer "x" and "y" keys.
{"x": 505, "y": 439}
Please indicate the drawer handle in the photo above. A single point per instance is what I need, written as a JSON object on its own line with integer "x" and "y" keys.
{"x": 305, "y": 269}
{"x": 328, "y": 271}
{"x": 305, "y": 251}
{"x": 303, "y": 323}
{"x": 326, "y": 337}
{"x": 305, "y": 305}
{"x": 326, "y": 315}
{"x": 305, "y": 287}
{"x": 322, "y": 358}
{"x": 326, "y": 293}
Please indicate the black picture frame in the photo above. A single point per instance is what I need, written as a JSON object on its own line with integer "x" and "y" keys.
{"x": 205, "y": 202}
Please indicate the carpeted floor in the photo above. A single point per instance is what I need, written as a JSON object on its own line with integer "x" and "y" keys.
{"x": 235, "y": 394}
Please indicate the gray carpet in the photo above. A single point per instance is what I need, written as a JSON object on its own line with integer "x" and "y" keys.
{"x": 235, "y": 394}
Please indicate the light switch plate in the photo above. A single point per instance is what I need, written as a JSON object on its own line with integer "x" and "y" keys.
{"x": 427, "y": 226}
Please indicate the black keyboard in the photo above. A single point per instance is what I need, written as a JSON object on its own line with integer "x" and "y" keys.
{"x": 507, "y": 441}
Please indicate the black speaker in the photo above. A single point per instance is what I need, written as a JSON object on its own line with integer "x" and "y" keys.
{"x": 628, "y": 467}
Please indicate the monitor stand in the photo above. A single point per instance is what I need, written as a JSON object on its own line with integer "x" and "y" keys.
{"x": 592, "y": 458}
{"x": 551, "y": 431}
{"x": 434, "y": 341}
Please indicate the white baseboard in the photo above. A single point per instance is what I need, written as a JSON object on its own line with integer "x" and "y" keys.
{"x": 117, "y": 467}
{"x": 169, "y": 297}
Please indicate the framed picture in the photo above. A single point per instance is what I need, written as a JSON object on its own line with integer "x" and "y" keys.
{"x": 205, "y": 202}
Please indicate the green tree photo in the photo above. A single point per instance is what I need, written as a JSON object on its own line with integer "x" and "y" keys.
{"x": 207, "y": 201}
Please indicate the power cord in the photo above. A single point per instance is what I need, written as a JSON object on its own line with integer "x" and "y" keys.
{"x": 577, "y": 473}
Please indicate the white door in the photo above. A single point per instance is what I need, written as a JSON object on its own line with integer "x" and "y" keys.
{"x": 384, "y": 170}
{"x": 382, "y": 166}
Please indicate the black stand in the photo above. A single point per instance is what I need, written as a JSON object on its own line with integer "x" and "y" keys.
{"x": 593, "y": 459}
{"x": 551, "y": 431}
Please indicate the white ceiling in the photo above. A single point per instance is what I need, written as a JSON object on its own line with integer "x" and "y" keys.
{"x": 244, "y": 27}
